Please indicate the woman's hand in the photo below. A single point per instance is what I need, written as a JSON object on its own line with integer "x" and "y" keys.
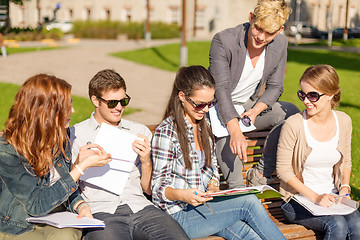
{"x": 85, "y": 211}
{"x": 87, "y": 150}
{"x": 343, "y": 192}
{"x": 325, "y": 200}
{"x": 143, "y": 149}
{"x": 212, "y": 188}
{"x": 93, "y": 157}
{"x": 194, "y": 197}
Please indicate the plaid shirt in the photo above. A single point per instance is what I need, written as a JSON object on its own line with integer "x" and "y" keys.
{"x": 169, "y": 166}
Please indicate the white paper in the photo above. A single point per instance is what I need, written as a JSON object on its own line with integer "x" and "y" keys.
{"x": 219, "y": 129}
{"x": 67, "y": 219}
{"x": 118, "y": 143}
{"x": 317, "y": 210}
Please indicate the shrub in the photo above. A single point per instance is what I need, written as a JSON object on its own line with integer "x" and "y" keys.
{"x": 133, "y": 30}
{"x": 31, "y": 34}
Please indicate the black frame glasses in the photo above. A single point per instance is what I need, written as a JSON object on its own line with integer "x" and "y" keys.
{"x": 201, "y": 106}
{"x": 311, "y": 96}
{"x": 113, "y": 103}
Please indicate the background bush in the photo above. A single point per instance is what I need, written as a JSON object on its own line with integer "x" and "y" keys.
{"x": 133, "y": 30}
{"x": 32, "y": 34}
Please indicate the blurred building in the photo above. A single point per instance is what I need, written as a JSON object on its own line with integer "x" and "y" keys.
{"x": 204, "y": 17}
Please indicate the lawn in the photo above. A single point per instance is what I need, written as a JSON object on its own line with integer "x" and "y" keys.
{"x": 12, "y": 50}
{"x": 83, "y": 107}
{"x": 347, "y": 65}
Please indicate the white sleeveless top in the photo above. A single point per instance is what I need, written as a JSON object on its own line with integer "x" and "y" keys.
{"x": 318, "y": 167}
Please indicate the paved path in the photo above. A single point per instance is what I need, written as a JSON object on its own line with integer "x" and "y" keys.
{"x": 149, "y": 87}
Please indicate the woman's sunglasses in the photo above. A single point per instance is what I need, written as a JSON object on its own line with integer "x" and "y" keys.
{"x": 113, "y": 103}
{"x": 201, "y": 106}
{"x": 311, "y": 96}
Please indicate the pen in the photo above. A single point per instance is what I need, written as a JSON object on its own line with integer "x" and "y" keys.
{"x": 205, "y": 204}
{"x": 340, "y": 196}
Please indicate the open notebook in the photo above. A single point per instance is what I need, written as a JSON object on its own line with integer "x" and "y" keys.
{"x": 67, "y": 219}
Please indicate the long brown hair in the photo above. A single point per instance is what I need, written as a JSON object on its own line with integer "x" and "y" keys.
{"x": 187, "y": 80}
{"x": 36, "y": 123}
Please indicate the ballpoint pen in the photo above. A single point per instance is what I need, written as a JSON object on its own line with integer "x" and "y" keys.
{"x": 205, "y": 204}
{"x": 340, "y": 196}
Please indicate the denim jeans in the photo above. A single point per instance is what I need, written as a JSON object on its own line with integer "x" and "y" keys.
{"x": 231, "y": 165}
{"x": 334, "y": 226}
{"x": 236, "y": 217}
{"x": 148, "y": 223}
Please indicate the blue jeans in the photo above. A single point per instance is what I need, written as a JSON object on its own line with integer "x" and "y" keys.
{"x": 236, "y": 217}
{"x": 334, "y": 226}
{"x": 148, "y": 223}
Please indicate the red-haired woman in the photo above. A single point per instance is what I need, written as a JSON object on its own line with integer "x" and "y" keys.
{"x": 35, "y": 161}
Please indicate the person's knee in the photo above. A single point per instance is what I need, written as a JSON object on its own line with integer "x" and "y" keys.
{"x": 65, "y": 233}
{"x": 338, "y": 228}
{"x": 289, "y": 109}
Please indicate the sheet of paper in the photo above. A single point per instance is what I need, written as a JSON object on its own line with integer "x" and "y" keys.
{"x": 113, "y": 175}
{"x": 316, "y": 210}
{"x": 67, "y": 219}
{"x": 219, "y": 129}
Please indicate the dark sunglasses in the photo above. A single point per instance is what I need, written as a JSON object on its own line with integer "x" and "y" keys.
{"x": 113, "y": 103}
{"x": 246, "y": 121}
{"x": 201, "y": 106}
{"x": 311, "y": 96}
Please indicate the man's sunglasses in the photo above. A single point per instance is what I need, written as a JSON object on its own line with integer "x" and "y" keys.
{"x": 311, "y": 96}
{"x": 113, "y": 103}
{"x": 201, "y": 106}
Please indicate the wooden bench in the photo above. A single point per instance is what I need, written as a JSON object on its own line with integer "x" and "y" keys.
{"x": 256, "y": 142}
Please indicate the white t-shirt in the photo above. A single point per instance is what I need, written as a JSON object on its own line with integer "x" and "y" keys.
{"x": 250, "y": 78}
{"x": 318, "y": 167}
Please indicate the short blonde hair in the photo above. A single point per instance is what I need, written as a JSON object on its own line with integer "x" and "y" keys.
{"x": 271, "y": 15}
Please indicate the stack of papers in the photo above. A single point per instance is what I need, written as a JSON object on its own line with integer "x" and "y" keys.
{"x": 113, "y": 176}
{"x": 67, "y": 219}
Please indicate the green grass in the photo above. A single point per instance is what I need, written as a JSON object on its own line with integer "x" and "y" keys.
{"x": 347, "y": 65}
{"x": 167, "y": 56}
{"x": 11, "y": 50}
{"x": 354, "y": 42}
{"x": 83, "y": 106}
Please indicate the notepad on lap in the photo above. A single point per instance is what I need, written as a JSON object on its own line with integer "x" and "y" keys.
{"x": 346, "y": 206}
{"x": 67, "y": 219}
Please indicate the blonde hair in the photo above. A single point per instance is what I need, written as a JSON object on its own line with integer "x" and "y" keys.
{"x": 271, "y": 15}
{"x": 325, "y": 79}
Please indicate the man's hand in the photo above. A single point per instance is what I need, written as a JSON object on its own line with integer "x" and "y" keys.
{"x": 143, "y": 149}
{"x": 238, "y": 143}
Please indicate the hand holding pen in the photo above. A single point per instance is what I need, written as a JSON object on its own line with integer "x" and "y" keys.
{"x": 205, "y": 203}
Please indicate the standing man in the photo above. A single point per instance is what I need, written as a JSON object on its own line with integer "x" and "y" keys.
{"x": 129, "y": 215}
{"x": 248, "y": 64}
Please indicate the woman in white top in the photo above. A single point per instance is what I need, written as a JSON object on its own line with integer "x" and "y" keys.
{"x": 314, "y": 156}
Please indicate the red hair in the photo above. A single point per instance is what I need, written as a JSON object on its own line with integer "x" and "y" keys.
{"x": 36, "y": 123}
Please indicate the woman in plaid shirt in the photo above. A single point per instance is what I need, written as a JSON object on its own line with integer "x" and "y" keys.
{"x": 185, "y": 168}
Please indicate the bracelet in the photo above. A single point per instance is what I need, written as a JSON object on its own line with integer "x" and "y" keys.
{"x": 214, "y": 182}
{"x": 78, "y": 206}
{"x": 345, "y": 185}
{"x": 79, "y": 169}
